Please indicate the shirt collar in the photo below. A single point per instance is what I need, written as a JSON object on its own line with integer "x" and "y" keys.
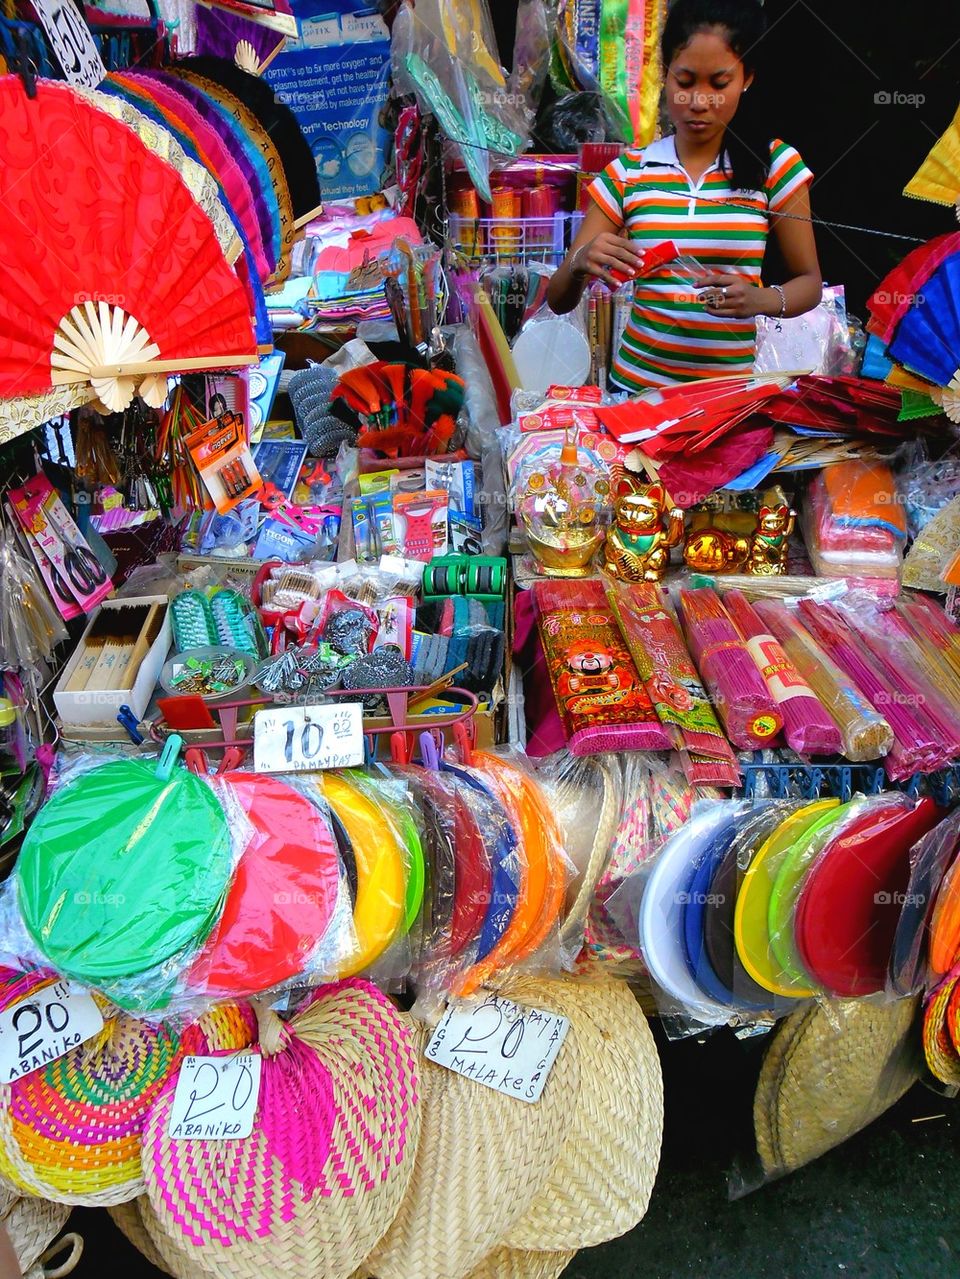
{"x": 664, "y": 151}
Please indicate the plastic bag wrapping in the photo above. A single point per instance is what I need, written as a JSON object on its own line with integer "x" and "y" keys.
{"x": 395, "y": 800}
{"x": 128, "y": 925}
{"x": 926, "y": 945}
{"x": 913, "y": 682}
{"x": 586, "y": 797}
{"x": 914, "y": 748}
{"x": 736, "y": 687}
{"x": 807, "y": 727}
{"x": 864, "y": 732}
{"x": 819, "y": 341}
{"x": 483, "y": 417}
{"x": 653, "y": 635}
{"x": 656, "y": 802}
{"x": 649, "y": 906}
{"x": 30, "y": 626}
{"x": 934, "y": 635}
{"x": 287, "y": 919}
{"x": 926, "y": 484}
{"x": 531, "y": 51}
{"x": 443, "y": 817}
{"x": 447, "y": 56}
{"x": 374, "y": 850}
{"x": 533, "y": 941}
{"x": 853, "y": 525}
{"x": 829, "y": 1070}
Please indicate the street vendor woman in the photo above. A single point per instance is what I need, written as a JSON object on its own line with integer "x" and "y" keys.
{"x": 715, "y": 186}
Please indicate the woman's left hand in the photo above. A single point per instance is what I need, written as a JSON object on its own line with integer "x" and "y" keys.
{"x": 729, "y": 296}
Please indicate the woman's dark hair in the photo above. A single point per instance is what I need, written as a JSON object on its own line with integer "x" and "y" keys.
{"x": 744, "y": 23}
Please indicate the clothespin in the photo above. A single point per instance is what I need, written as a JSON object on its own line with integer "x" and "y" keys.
{"x": 129, "y": 722}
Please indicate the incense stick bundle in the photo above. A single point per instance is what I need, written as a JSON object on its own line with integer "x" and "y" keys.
{"x": 807, "y": 727}
{"x": 915, "y": 750}
{"x": 865, "y": 734}
{"x": 739, "y": 694}
{"x": 927, "y": 617}
{"x": 670, "y": 677}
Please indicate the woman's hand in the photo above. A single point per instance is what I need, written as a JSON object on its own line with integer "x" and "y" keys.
{"x": 605, "y": 252}
{"x": 730, "y": 296}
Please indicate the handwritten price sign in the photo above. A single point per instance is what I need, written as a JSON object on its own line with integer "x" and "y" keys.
{"x": 501, "y": 1045}
{"x": 305, "y": 738}
{"x": 216, "y": 1098}
{"x": 45, "y": 1026}
{"x": 71, "y": 41}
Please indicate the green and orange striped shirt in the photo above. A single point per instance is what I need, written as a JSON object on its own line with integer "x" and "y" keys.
{"x": 670, "y": 336}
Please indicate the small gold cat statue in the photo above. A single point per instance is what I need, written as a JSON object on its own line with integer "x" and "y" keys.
{"x": 775, "y": 523}
{"x": 643, "y": 531}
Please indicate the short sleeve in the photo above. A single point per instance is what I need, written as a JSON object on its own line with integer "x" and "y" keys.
{"x": 607, "y": 190}
{"x": 787, "y": 174}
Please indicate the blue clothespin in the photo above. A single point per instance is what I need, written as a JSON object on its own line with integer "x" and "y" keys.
{"x": 127, "y": 720}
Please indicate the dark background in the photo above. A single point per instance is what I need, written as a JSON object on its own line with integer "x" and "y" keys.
{"x": 824, "y": 63}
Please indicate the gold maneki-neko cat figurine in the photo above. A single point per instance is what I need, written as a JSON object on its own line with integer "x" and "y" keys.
{"x": 742, "y": 541}
{"x": 645, "y": 527}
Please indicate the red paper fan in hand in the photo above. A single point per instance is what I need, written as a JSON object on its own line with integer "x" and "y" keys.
{"x": 111, "y": 275}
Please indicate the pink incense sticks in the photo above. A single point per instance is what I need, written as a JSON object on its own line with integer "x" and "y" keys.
{"x": 807, "y": 727}
{"x": 915, "y": 748}
{"x": 749, "y": 714}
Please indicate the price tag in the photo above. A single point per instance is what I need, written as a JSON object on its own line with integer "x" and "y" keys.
{"x": 305, "y": 738}
{"x": 45, "y": 1026}
{"x": 72, "y": 42}
{"x": 216, "y": 1098}
{"x": 501, "y": 1045}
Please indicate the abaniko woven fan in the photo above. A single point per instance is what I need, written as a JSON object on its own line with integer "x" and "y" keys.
{"x": 320, "y": 1178}
{"x": 831, "y": 1069}
{"x": 512, "y": 1263}
{"x": 123, "y": 871}
{"x": 601, "y": 1184}
{"x": 482, "y": 1161}
{"x": 134, "y": 283}
{"x": 32, "y": 1225}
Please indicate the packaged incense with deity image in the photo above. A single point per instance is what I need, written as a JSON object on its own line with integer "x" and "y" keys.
{"x": 599, "y": 693}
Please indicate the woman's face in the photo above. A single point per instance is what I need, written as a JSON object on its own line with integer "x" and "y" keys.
{"x": 704, "y": 84}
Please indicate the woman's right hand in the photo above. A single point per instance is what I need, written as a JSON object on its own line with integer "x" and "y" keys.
{"x": 605, "y": 252}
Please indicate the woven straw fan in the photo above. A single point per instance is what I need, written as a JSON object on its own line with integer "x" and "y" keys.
{"x": 601, "y": 1183}
{"x": 32, "y": 1225}
{"x": 320, "y": 1178}
{"x": 483, "y": 1160}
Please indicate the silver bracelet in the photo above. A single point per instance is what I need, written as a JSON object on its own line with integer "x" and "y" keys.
{"x": 574, "y": 268}
{"x": 783, "y": 306}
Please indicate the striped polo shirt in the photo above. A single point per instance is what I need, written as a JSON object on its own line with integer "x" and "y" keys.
{"x": 670, "y": 336}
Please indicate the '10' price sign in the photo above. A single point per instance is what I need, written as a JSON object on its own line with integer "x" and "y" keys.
{"x": 216, "y": 1097}
{"x": 305, "y": 738}
{"x": 501, "y": 1045}
{"x": 45, "y": 1026}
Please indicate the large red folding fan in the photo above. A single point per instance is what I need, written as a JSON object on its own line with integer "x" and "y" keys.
{"x": 111, "y": 275}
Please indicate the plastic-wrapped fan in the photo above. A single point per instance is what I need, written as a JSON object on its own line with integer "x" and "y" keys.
{"x": 99, "y": 206}
{"x": 283, "y": 896}
{"x": 830, "y": 1070}
{"x": 601, "y": 1184}
{"x": 482, "y": 1161}
{"x": 321, "y": 1177}
{"x": 123, "y": 871}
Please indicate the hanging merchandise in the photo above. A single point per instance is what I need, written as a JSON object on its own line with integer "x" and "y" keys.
{"x": 334, "y": 76}
{"x": 75, "y": 351}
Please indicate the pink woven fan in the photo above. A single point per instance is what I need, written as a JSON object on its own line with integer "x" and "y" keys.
{"x": 319, "y": 1180}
